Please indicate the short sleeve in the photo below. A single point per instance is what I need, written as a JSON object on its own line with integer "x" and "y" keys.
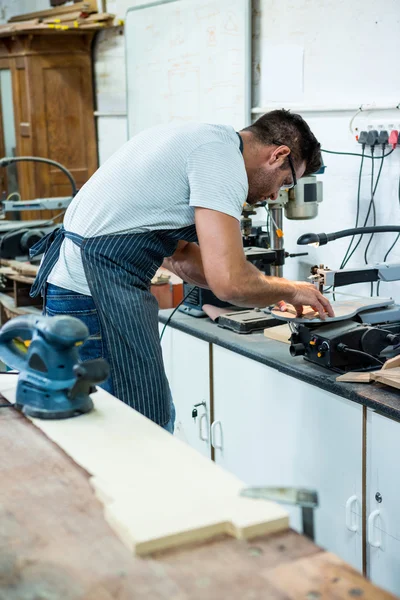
{"x": 217, "y": 178}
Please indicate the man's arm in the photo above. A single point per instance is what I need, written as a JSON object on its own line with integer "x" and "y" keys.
{"x": 187, "y": 264}
{"x": 233, "y": 279}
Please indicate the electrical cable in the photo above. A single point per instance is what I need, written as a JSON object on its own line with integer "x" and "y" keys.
{"x": 366, "y": 218}
{"x": 358, "y": 206}
{"x": 392, "y": 246}
{"x": 174, "y": 311}
{"x": 356, "y": 154}
{"x": 361, "y": 353}
{"x": 373, "y": 203}
{"x": 7, "y": 160}
{"x": 14, "y": 194}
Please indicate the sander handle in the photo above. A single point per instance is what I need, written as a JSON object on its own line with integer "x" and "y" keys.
{"x": 21, "y": 327}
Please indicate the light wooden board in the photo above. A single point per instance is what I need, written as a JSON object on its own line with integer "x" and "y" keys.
{"x": 356, "y": 377}
{"x": 279, "y": 333}
{"x": 389, "y": 374}
{"x": 157, "y": 491}
{"x": 344, "y": 309}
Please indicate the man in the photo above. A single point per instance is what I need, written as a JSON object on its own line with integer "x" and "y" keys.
{"x": 149, "y": 204}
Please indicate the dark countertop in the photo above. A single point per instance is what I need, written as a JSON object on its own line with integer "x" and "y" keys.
{"x": 276, "y": 355}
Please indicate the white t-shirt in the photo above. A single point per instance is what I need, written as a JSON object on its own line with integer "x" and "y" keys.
{"x": 153, "y": 182}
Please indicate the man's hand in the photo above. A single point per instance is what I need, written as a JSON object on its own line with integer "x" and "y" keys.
{"x": 235, "y": 280}
{"x": 306, "y": 294}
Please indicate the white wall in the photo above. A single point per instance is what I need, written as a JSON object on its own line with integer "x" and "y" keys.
{"x": 350, "y": 51}
{"x": 349, "y": 54}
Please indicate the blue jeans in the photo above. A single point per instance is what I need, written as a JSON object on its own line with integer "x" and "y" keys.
{"x": 60, "y": 301}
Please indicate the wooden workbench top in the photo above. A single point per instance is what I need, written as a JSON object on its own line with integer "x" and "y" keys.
{"x": 55, "y": 543}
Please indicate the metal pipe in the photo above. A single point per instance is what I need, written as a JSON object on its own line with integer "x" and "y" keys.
{"x": 277, "y": 241}
{"x": 256, "y": 110}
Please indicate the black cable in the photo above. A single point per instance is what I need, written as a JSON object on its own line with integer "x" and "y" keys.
{"x": 361, "y": 353}
{"x": 393, "y": 245}
{"x": 373, "y": 201}
{"x": 174, "y": 311}
{"x": 7, "y": 160}
{"x": 358, "y": 206}
{"x": 356, "y": 154}
{"x": 6, "y": 405}
{"x": 366, "y": 218}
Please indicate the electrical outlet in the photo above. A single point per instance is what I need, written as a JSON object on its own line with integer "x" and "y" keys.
{"x": 380, "y": 124}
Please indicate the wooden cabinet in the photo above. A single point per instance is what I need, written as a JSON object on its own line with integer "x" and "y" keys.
{"x": 271, "y": 429}
{"x": 383, "y": 501}
{"x": 187, "y": 364}
{"x": 52, "y": 89}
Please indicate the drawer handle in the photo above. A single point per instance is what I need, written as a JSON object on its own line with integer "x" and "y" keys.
{"x": 351, "y": 523}
{"x": 371, "y": 521}
{"x": 213, "y": 436}
{"x": 204, "y": 417}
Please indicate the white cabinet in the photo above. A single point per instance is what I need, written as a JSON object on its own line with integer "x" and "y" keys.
{"x": 383, "y": 501}
{"x": 271, "y": 429}
{"x": 187, "y": 365}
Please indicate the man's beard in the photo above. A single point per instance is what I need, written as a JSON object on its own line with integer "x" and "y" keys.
{"x": 261, "y": 185}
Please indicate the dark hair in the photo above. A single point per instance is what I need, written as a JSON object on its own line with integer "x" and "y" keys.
{"x": 284, "y": 127}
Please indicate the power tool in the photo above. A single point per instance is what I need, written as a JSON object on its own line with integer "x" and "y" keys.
{"x": 52, "y": 383}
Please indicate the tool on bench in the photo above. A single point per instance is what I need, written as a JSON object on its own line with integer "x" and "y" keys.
{"x": 361, "y": 339}
{"x": 52, "y": 382}
{"x": 363, "y": 333}
{"x": 307, "y": 500}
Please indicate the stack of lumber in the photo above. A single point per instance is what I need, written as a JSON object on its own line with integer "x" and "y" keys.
{"x": 81, "y": 15}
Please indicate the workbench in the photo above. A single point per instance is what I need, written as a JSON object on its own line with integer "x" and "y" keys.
{"x": 55, "y": 543}
{"x": 272, "y": 419}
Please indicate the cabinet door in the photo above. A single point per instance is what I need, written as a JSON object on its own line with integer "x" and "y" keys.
{"x": 271, "y": 429}
{"x": 186, "y": 361}
{"x": 383, "y": 501}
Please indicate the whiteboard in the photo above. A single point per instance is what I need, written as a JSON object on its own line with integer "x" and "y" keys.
{"x": 188, "y": 60}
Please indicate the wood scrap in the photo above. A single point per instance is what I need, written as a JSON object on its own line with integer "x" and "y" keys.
{"x": 389, "y": 374}
{"x": 356, "y": 377}
{"x": 71, "y": 16}
{"x": 23, "y": 268}
{"x": 279, "y": 333}
{"x": 392, "y": 363}
{"x": 155, "y": 488}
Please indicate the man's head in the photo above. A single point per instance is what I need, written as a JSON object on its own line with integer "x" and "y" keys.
{"x": 279, "y": 148}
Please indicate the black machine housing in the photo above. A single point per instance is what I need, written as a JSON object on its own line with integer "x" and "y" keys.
{"x": 346, "y": 345}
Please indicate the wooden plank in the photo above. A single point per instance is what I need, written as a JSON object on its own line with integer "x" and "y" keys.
{"x": 322, "y": 576}
{"x": 356, "y": 377}
{"x": 392, "y": 363}
{"x": 279, "y": 333}
{"x": 88, "y": 6}
{"x": 388, "y": 379}
{"x": 55, "y": 543}
{"x": 70, "y": 16}
{"x": 172, "y": 499}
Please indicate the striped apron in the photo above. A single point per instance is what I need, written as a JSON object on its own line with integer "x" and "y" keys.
{"x": 119, "y": 269}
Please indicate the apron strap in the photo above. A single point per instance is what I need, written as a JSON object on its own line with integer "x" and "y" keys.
{"x": 50, "y": 246}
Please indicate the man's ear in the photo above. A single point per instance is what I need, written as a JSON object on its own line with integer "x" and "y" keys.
{"x": 279, "y": 156}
